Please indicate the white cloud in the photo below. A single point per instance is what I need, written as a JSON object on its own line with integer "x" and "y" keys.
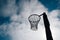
{"x": 55, "y": 24}
{"x": 10, "y": 8}
{"x": 23, "y": 31}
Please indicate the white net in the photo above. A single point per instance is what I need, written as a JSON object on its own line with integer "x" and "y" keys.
{"x": 34, "y": 20}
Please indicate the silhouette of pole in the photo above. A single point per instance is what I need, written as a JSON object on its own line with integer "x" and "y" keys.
{"x": 47, "y": 27}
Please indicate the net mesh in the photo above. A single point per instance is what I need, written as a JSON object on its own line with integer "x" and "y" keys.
{"x": 34, "y": 20}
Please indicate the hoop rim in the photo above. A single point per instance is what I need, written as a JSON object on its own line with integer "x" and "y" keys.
{"x": 34, "y": 14}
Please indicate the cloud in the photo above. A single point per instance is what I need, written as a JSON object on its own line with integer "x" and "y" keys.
{"x": 55, "y": 23}
{"x": 22, "y": 31}
{"x": 9, "y": 8}
{"x": 19, "y": 28}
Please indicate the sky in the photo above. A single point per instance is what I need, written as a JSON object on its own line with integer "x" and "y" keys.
{"x": 14, "y": 24}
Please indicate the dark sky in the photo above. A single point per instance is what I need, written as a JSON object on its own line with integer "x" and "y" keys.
{"x": 51, "y": 4}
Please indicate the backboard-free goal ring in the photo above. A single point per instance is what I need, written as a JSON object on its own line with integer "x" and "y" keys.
{"x": 34, "y": 20}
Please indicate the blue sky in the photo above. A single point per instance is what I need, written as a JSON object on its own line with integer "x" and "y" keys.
{"x": 9, "y": 10}
{"x": 51, "y": 4}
